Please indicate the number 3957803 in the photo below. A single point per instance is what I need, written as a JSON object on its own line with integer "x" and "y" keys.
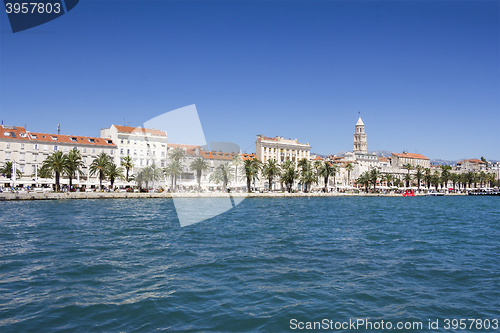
{"x": 33, "y": 8}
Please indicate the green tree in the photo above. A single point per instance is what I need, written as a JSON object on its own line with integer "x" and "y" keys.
{"x": 73, "y": 165}
{"x": 173, "y": 170}
{"x": 270, "y": 170}
{"x": 326, "y": 171}
{"x": 177, "y": 154}
{"x": 199, "y": 165}
{"x": 6, "y": 170}
{"x": 374, "y": 176}
{"x": 436, "y": 179}
{"x": 388, "y": 178}
{"x": 56, "y": 164}
{"x": 445, "y": 174}
{"x": 349, "y": 169}
{"x": 237, "y": 161}
{"x": 484, "y": 160}
{"x": 418, "y": 176}
{"x": 100, "y": 166}
{"x": 222, "y": 174}
{"x": 455, "y": 178}
{"x": 408, "y": 167}
{"x": 364, "y": 179}
{"x": 427, "y": 177}
{"x": 128, "y": 164}
{"x": 114, "y": 172}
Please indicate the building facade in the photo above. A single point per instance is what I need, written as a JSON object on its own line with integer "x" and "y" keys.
{"x": 399, "y": 160}
{"x": 28, "y": 150}
{"x": 146, "y": 146}
{"x": 471, "y": 165}
{"x": 281, "y": 149}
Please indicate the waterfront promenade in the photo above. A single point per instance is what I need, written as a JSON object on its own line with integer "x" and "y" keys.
{"x": 113, "y": 195}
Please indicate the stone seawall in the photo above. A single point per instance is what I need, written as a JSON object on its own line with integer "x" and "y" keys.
{"x": 104, "y": 195}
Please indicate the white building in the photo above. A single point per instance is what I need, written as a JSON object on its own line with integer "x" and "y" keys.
{"x": 146, "y": 146}
{"x": 281, "y": 149}
{"x": 399, "y": 160}
{"x": 28, "y": 150}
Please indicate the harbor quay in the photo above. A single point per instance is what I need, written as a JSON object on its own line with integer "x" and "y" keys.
{"x": 163, "y": 195}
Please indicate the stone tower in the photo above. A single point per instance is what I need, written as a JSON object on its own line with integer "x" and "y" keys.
{"x": 360, "y": 137}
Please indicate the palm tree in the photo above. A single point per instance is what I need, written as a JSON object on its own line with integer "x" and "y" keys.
{"x": 408, "y": 167}
{"x": 349, "y": 168}
{"x": 427, "y": 177}
{"x": 258, "y": 167}
{"x": 454, "y": 179}
{"x": 100, "y": 165}
{"x": 388, "y": 179}
{"x": 269, "y": 170}
{"x": 73, "y": 165}
{"x": 436, "y": 179}
{"x": 418, "y": 176}
{"x": 407, "y": 179}
{"x": 305, "y": 173}
{"x": 222, "y": 175}
{"x": 326, "y": 171}
{"x": 289, "y": 175}
{"x": 307, "y": 178}
{"x": 114, "y": 172}
{"x": 249, "y": 168}
{"x": 374, "y": 176}
{"x": 236, "y": 162}
{"x": 6, "y": 170}
{"x": 445, "y": 174}
{"x": 199, "y": 165}
{"x": 364, "y": 179}
{"x": 128, "y": 164}
{"x": 173, "y": 169}
{"x": 176, "y": 155}
{"x": 55, "y": 163}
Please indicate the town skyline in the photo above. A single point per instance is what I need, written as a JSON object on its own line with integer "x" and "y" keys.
{"x": 423, "y": 75}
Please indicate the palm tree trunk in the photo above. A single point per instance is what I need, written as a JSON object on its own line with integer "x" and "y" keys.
{"x": 248, "y": 185}
{"x": 57, "y": 182}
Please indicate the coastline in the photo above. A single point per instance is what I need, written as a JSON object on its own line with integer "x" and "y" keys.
{"x": 112, "y": 195}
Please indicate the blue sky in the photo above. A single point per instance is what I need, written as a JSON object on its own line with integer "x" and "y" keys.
{"x": 425, "y": 75}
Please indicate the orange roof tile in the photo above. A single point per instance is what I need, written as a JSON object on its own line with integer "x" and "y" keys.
{"x": 318, "y": 158}
{"x": 412, "y": 155}
{"x": 129, "y": 129}
{"x": 21, "y": 133}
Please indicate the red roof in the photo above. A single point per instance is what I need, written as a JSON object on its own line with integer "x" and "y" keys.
{"x": 22, "y": 134}
{"x": 129, "y": 129}
{"x": 412, "y": 155}
{"x": 190, "y": 149}
{"x": 474, "y": 161}
{"x": 318, "y": 158}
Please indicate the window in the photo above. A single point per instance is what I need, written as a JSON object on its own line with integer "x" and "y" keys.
{"x": 162, "y": 164}
{"x": 162, "y": 153}
{"x": 121, "y": 141}
{"x": 55, "y": 148}
{"x": 93, "y": 150}
{"x": 73, "y": 139}
{"x": 128, "y": 151}
{"x": 84, "y": 150}
{"x": 21, "y": 156}
{"x": 35, "y": 147}
{"x": 121, "y": 151}
{"x": 54, "y": 138}
{"x": 111, "y": 151}
{"x": 35, "y": 157}
{"x": 7, "y": 145}
{"x": 91, "y": 140}
{"x": 7, "y": 156}
{"x": 6, "y": 133}
{"x": 45, "y": 147}
{"x": 33, "y": 136}
{"x": 22, "y": 145}
{"x": 21, "y": 168}
{"x": 65, "y": 148}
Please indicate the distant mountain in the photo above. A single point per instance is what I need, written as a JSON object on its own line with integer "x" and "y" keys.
{"x": 438, "y": 161}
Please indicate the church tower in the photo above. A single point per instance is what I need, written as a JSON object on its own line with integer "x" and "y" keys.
{"x": 360, "y": 137}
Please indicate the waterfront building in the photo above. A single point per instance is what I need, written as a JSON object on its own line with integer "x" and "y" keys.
{"x": 146, "y": 146}
{"x": 399, "y": 160}
{"x": 28, "y": 150}
{"x": 281, "y": 149}
{"x": 471, "y": 165}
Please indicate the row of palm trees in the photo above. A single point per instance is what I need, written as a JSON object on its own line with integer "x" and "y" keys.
{"x": 424, "y": 176}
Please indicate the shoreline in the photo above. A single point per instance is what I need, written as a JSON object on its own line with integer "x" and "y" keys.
{"x": 112, "y": 195}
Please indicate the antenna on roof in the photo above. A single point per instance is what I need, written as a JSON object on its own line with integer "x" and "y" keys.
{"x": 58, "y": 129}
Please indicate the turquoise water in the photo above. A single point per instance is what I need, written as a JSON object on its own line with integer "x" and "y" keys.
{"x": 127, "y": 265}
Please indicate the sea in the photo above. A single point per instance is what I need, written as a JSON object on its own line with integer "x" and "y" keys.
{"x": 325, "y": 264}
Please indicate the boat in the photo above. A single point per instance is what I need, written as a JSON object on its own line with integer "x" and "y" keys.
{"x": 484, "y": 192}
{"x": 434, "y": 194}
{"x": 409, "y": 193}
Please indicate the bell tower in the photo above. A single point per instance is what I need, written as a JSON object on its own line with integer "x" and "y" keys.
{"x": 360, "y": 138}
